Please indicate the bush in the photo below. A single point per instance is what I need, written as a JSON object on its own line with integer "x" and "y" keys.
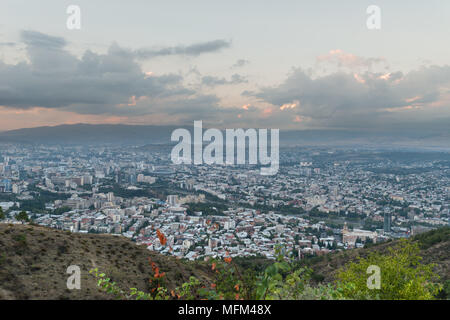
{"x": 402, "y": 276}
{"x": 22, "y": 216}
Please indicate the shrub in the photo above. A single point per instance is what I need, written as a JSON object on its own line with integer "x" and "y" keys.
{"x": 22, "y": 216}
{"x": 402, "y": 276}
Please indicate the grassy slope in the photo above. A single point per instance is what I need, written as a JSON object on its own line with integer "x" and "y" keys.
{"x": 34, "y": 260}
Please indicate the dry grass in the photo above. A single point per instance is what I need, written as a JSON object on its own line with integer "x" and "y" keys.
{"x": 34, "y": 260}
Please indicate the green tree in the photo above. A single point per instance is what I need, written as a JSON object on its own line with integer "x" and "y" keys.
{"x": 402, "y": 275}
{"x": 2, "y": 215}
{"x": 22, "y": 216}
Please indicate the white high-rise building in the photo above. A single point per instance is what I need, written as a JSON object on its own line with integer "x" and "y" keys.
{"x": 15, "y": 189}
{"x": 172, "y": 200}
{"x": 110, "y": 196}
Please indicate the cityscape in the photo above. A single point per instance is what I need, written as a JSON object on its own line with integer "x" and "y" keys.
{"x": 323, "y": 199}
{"x": 232, "y": 158}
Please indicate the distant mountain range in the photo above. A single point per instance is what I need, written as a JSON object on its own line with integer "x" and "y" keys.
{"x": 150, "y": 134}
{"x": 89, "y": 134}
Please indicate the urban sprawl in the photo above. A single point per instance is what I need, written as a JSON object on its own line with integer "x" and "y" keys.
{"x": 321, "y": 200}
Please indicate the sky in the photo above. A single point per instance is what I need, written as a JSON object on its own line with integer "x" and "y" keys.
{"x": 262, "y": 64}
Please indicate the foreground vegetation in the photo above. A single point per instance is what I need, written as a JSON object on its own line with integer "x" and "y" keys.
{"x": 34, "y": 261}
{"x": 403, "y": 275}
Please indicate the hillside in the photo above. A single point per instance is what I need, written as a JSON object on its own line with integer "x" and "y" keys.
{"x": 34, "y": 260}
{"x": 434, "y": 248}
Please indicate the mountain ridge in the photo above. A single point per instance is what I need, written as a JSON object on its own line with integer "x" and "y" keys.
{"x": 154, "y": 134}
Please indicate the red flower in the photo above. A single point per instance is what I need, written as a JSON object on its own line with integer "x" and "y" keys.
{"x": 162, "y": 238}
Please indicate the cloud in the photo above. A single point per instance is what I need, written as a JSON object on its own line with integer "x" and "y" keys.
{"x": 190, "y": 50}
{"x": 7, "y": 44}
{"x": 292, "y": 105}
{"x": 114, "y": 85}
{"x": 240, "y": 63}
{"x": 38, "y": 39}
{"x": 349, "y": 100}
{"x": 348, "y": 60}
{"x": 97, "y": 84}
{"x": 216, "y": 81}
